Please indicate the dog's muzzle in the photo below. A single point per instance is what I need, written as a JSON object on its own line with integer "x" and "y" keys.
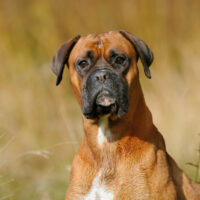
{"x": 104, "y": 92}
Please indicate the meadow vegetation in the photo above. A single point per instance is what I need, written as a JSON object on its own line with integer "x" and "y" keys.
{"x": 40, "y": 124}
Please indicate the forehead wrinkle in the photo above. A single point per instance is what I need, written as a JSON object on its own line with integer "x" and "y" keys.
{"x": 99, "y": 43}
{"x": 100, "y": 48}
{"x": 95, "y": 41}
{"x": 117, "y": 41}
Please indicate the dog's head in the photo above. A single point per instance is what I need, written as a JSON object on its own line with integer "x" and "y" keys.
{"x": 102, "y": 70}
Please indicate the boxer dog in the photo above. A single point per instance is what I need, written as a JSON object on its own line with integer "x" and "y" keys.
{"x": 122, "y": 155}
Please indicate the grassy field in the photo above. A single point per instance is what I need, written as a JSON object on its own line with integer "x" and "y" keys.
{"x": 40, "y": 124}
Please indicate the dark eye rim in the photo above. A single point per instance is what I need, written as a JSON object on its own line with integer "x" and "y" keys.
{"x": 83, "y": 63}
{"x": 123, "y": 60}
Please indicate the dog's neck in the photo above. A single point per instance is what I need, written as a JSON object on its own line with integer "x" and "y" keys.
{"x": 107, "y": 133}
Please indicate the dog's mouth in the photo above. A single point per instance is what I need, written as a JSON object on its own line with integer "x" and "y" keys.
{"x": 105, "y": 103}
{"x": 107, "y": 97}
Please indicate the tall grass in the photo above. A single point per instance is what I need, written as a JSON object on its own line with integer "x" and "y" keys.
{"x": 40, "y": 125}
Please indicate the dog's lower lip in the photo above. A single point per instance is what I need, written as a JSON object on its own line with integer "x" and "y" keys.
{"x": 105, "y": 99}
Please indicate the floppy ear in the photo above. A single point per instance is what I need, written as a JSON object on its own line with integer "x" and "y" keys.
{"x": 61, "y": 57}
{"x": 143, "y": 51}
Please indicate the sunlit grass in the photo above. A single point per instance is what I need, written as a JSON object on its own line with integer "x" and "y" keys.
{"x": 40, "y": 124}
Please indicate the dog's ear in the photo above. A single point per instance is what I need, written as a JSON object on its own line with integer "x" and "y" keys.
{"x": 61, "y": 57}
{"x": 143, "y": 51}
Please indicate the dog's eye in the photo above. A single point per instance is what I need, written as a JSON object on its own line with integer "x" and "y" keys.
{"x": 83, "y": 63}
{"x": 120, "y": 60}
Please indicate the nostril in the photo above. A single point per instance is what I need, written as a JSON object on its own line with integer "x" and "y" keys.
{"x": 101, "y": 76}
{"x": 97, "y": 78}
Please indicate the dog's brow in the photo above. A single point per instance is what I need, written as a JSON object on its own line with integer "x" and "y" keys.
{"x": 90, "y": 54}
{"x": 86, "y": 54}
{"x": 117, "y": 52}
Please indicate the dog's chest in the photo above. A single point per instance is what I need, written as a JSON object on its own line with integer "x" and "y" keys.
{"x": 98, "y": 191}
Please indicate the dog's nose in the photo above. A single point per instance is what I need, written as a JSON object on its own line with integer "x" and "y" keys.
{"x": 101, "y": 76}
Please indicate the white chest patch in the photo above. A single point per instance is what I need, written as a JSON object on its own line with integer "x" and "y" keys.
{"x": 97, "y": 191}
{"x": 103, "y": 130}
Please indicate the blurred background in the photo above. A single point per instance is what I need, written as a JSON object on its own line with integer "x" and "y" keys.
{"x": 40, "y": 124}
